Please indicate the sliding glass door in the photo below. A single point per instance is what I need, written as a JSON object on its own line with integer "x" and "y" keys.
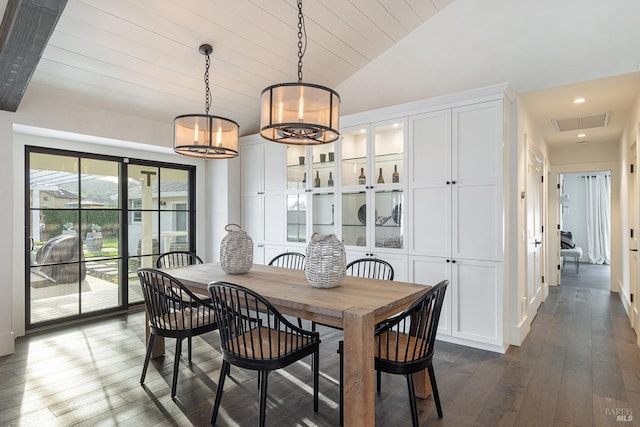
{"x": 159, "y": 216}
{"x": 89, "y": 230}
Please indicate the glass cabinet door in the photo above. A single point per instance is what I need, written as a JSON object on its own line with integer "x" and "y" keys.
{"x": 323, "y": 170}
{"x": 324, "y": 208}
{"x": 389, "y": 217}
{"x": 354, "y": 218}
{"x": 389, "y": 153}
{"x": 354, "y": 157}
{"x": 296, "y": 218}
{"x": 297, "y": 167}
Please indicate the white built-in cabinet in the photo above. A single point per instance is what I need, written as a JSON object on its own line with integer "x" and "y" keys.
{"x": 457, "y": 216}
{"x": 263, "y": 196}
{"x": 441, "y": 218}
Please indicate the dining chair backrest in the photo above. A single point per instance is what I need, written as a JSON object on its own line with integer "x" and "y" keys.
{"x": 171, "y": 307}
{"x": 293, "y": 260}
{"x": 177, "y": 259}
{"x": 370, "y": 268}
{"x": 253, "y": 333}
{"x": 408, "y": 338}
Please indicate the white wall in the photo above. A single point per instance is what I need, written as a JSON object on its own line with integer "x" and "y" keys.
{"x": 7, "y": 335}
{"x": 474, "y": 43}
{"x": 629, "y": 142}
{"x": 527, "y": 138}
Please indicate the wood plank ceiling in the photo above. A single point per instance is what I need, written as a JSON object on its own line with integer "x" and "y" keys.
{"x": 141, "y": 56}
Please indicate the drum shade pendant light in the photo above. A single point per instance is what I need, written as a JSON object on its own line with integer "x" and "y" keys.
{"x": 300, "y": 113}
{"x": 203, "y": 135}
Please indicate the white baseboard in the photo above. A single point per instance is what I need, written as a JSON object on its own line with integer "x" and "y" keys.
{"x": 7, "y": 343}
{"x": 474, "y": 344}
{"x": 519, "y": 332}
{"x": 625, "y": 299}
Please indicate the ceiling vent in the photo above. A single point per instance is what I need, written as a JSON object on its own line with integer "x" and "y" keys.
{"x": 587, "y": 121}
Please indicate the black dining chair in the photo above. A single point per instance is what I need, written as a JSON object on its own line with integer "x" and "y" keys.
{"x": 369, "y": 268}
{"x": 173, "y": 312}
{"x": 372, "y": 268}
{"x": 254, "y": 335}
{"x": 404, "y": 345}
{"x": 293, "y": 260}
{"x": 177, "y": 259}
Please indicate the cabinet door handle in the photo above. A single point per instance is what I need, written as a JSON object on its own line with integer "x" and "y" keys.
{"x": 453, "y": 182}
{"x": 453, "y": 261}
{"x": 448, "y": 261}
{"x": 448, "y": 182}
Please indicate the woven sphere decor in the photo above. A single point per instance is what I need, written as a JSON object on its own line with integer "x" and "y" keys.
{"x": 236, "y": 250}
{"x": 325, "y": 261}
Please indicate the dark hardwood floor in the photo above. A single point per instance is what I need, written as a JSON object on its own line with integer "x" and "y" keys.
{"x": 579, "y": 366}
{"x": 596, "y": 276}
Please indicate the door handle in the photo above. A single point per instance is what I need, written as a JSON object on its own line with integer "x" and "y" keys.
{"x": 538, "y": 242}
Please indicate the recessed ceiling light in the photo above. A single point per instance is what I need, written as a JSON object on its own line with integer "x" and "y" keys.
{"x": 579, "y": 100}
{"x": 363, "y": 130}
{"x": 582, "y": 135}
{"x": 395, "y": 125}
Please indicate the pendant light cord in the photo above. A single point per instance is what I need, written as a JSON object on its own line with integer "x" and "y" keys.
{"x": 207, "y": 102}
{"x": 302, "y": 46}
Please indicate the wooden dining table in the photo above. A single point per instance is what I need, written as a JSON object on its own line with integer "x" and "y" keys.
{"x": 355, "y": 306}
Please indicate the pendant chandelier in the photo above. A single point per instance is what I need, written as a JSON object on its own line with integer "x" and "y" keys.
{"x": 203, "y": 135}
{"x": 300, "y": 113}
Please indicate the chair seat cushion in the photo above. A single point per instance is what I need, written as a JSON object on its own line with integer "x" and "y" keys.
{"x": 266, "y": 344}
{"x": 187, "y": 318}
{"x": 393, "y": 346}
{"x": 573, "y": 252}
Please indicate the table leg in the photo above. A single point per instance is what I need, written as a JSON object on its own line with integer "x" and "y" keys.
{"x": 359, "y": 369}
{"x": 421, "y": 384}
{"x": 158, "y": 343}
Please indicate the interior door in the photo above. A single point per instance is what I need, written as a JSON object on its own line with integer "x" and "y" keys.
{"x": 633, "y": 239}
{"x": 534, "y": 233}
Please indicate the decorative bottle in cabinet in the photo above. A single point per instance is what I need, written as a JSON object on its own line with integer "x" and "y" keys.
{"x": 304, "y": 180}
{"x": 362, "y": 179}
{"x": 380, "y": 178}
{"x": 330, "y": 181}
{"x": 395, "y": 177}
{"x": 317, "y": 180}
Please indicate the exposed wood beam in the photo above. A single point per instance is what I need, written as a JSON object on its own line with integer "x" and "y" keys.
{"x": 24, "y": 33}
